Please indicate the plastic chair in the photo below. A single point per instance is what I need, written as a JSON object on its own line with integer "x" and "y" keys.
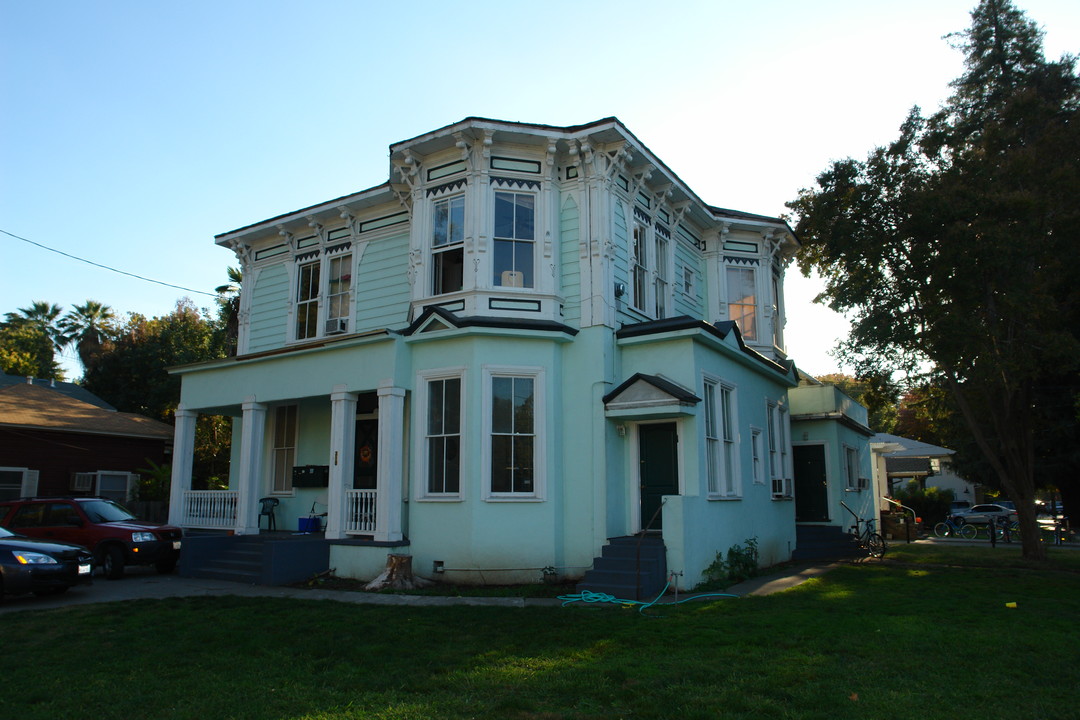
{"x": 266, "y": 507}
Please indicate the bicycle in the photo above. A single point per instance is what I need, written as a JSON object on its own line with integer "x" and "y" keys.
{"x": 955, "y": 527}
{"x": 868, "y": 540}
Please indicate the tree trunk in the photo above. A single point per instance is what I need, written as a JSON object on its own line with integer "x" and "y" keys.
{"x": 398, "y": 575}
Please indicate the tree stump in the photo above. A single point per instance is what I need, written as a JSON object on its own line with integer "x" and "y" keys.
{"x": 398, "y": 575}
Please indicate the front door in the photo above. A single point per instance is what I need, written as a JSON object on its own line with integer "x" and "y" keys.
{"x": 811, "y": 493}
{"x": 365, "y": 466}
{"x": 658, "y": 455}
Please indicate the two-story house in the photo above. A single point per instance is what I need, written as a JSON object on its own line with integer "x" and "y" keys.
{"x": 530, "y": 340}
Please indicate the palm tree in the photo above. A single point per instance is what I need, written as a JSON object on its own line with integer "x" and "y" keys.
{"x": 91, "y": 327}
{"x": 229, "y": 300}
{"x": 41, "y": 318}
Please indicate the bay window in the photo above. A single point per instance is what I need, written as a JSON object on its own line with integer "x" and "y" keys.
{"x": 443, "y": 436}
{"x": 307, "y": 301}
{"x": 742, "y": 300}
{"x": 514, "y": 235}
{"x": 448, "y": 245}
{"x": 513, "y": 435}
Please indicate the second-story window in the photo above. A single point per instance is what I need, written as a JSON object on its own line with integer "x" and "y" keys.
{"x": 307, "y": 301}
{"x": 448, "y": 245}
{"x": 338, "y": 293}
{"x": 663, "y": 276}
{"x": 640, "y": 269}
{"x": 515, "y": 233}
{"x": 742, "y": 300}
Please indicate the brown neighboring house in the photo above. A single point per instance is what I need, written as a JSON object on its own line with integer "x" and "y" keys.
{"x": 57, "y": 439}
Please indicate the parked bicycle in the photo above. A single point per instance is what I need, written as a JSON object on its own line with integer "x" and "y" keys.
{"x": 954, "y": 526}
{"x": 869, "y": 540}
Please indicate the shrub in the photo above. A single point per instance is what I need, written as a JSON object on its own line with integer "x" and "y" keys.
{"x": 741, "y": 563}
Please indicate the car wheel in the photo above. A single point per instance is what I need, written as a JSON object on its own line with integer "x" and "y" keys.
{"x": 165, "y": 566}
{"x": 112, "y": 563}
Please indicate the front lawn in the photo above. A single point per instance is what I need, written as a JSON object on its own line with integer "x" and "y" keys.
{"x": 870, "y": 640}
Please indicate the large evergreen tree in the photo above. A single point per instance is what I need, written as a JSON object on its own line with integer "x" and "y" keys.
{"x": 951, "y": 247}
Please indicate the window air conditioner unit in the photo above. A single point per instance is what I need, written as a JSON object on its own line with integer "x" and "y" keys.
{"x": 83, "y": 482}
{"x": 511, "y": 278}
{"x": 336, "y": 326}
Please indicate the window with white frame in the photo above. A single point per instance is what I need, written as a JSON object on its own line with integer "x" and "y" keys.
{"x": 338, "y": 293}
{"x": 514, "y": 236}
{"x": 448, "y": 245}
{"x": 662, "y": 281}
{"x": 756, "y": 457}
{"x": 514, "y": 432}
{"x": 688, "y": 281}
{"x": 720, "y": 440}
{"x": 443, "y": 436}
{"x": 640, "y": 269}
{"x": 779, "y": 470}
{"x": 284, "y": 449}
{"x": 17, "y": 482}
{"x": 742, "y": 300}
{"x": 115, "y": 486}
{"x": 307, "y": 301}
{"x": 851, "y": 468}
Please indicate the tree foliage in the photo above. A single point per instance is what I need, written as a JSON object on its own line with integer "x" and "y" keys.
{"x": 133, "y": 377}
{"x": 90, "y": 327}
{"x": 29, "y": 340}
{"x": 950, "y": 248}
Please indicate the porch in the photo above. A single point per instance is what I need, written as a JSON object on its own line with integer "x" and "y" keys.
{"x": 219, "y": 510}
{"x": 370, "y": 510}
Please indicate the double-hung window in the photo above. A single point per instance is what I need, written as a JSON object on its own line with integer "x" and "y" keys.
{"x": 307, "y": 301}
{"x": 515, "y": 234}
{"x": 851, "y": 468}
{"x": 640, "y": 262}
{"x": 756, "y": 457}
{"x": 338, "y": 293}
{"x": 448, "y": 245}
{"x": 284, "y": 450}
{"x": 720, "y": 440}
{"x": 742, "y": 300}
{"x": 663, "y": 276}
{"x": 779, "y": 471}
{"x": 514, "y": 433}
{"x": 443, "y": 436}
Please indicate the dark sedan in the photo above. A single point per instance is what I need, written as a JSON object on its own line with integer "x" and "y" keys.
{"x": 43, "y": 567}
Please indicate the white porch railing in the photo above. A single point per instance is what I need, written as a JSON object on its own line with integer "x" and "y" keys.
{"x": 210, "y": 508}
{"x": 360, "y": 511}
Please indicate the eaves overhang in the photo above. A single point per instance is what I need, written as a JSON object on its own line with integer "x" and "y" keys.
{"x": 715, "y": 335}
{"x": 344, "y": 342}
{"x": 435, "y": 321}
{"x": 837, "y": 417}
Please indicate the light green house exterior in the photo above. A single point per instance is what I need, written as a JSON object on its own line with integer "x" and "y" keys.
{"x": 530, "y": 340}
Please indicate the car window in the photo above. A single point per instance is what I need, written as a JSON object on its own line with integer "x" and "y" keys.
{"x": 103, "y": 511}
{"x": 29, "y": 516}
{"x": 63, "y": 514}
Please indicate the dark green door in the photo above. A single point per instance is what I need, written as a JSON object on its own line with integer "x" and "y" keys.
{"x": 658, "y": 447}
{"x": 811, "y": 494}
{"x": 365, "y": 466}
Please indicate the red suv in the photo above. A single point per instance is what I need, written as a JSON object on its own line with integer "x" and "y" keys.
{"x": 102, "y": 526}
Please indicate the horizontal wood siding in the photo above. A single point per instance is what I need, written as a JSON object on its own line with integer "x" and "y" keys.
{"x": 269, "y": 309}
{"x": 692, "y": 305}
{"x": 382, "y": 288}
{"x": 570, "y": 234}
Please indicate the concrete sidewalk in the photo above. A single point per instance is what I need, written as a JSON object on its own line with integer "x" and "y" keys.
{"x": 144, "y": 583}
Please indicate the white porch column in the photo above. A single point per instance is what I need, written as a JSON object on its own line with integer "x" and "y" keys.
{"x": 391, "y": 479}
{"x": 252, "y": 439}
{"x": 182, "y": 462}
{"x": 342, "y": 458}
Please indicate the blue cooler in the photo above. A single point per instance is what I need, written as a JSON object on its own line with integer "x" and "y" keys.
{"x": 309, "y": 524}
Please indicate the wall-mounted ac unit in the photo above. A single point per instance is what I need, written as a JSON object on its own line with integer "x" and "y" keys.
{"x": 337, "y": 326}
{"x": 83, "y": 482}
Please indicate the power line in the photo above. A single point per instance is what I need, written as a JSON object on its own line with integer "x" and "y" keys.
{"x": 106, "y": 267}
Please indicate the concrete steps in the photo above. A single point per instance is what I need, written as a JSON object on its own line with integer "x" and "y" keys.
{"x": 824, "y": 542}
{"x": 632, "y": 568}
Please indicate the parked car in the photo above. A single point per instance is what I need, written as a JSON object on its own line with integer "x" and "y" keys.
{"x": 959, "y": 507}
{"x": 981, "y": 514}
{"x": 114, "y": 536}
{"x": 43, "y": 567}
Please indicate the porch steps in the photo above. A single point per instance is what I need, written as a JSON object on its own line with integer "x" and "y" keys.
{"x": 264, "y": 559}
{"x": 631, "y": 568}
{"x": 824, "y": 542}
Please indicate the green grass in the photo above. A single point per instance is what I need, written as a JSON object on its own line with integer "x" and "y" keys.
{"x": 871, "y": 640}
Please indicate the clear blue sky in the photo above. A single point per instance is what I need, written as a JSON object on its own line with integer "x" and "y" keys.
{"x": 133, "y": 132}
